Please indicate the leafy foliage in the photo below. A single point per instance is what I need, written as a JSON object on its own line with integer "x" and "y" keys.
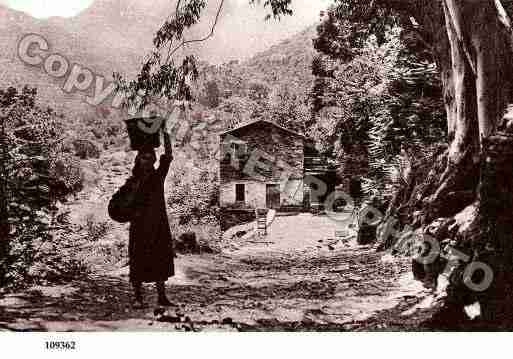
{"x": 278, "y": 7}
{"x": 377, "y": 94}
{"x": 289, "y": 110}
{"x": 30, "y": 152}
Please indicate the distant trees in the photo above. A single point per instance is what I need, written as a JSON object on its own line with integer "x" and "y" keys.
{"x": 162, "y": 75}
{"x": 289, "y": 109}
{"x": 237, "y": 110}
{"x": 258, "y": 91}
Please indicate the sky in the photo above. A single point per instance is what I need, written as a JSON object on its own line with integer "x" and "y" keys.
{"x": 47, "y": 8}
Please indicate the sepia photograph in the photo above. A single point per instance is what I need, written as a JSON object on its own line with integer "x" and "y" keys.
{"x": 223, "y": 166}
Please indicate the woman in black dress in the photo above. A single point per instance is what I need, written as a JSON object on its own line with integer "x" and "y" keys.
{"x": 150, "y": 242}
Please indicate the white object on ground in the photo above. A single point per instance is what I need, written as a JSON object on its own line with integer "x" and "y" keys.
{"x": 473, "y": 310}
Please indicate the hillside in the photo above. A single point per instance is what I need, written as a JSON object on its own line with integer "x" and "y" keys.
{"x": 115, "y": 35}
{"x": 286, "y": 64}
{"x": 96, "y": 38}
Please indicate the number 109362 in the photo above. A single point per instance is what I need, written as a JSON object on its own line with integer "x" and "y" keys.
{"x": 55, "y": 345}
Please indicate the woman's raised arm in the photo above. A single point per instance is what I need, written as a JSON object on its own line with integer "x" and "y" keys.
{"x": 167, "y": 157}
{"x": 167, "y": 143}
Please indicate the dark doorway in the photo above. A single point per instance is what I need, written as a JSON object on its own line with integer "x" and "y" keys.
{"x": 240, "y": 193}
{"x": 272, "y": 197}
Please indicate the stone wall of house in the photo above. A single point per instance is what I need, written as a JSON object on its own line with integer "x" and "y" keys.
{"x": 291, "y": 194}
{"x": 271, "y": 146}
{"x": 227, "y": 194}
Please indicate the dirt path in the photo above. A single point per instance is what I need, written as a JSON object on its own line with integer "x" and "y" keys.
{"x": 296, "y": 278}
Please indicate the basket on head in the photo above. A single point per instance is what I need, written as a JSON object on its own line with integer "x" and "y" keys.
{"x": 140, "y": 138}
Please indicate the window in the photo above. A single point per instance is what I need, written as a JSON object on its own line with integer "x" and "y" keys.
{"x": 240, "y": 193}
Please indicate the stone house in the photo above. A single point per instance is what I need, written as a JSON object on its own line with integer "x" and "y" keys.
{"x": 264, "y": 165}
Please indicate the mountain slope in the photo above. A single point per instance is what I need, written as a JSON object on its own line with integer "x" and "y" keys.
{"x": 287, "y": 63}
{"x": 115, "y": 35}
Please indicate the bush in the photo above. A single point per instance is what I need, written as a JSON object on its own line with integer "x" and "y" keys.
{"x": 66, "y": 175}
{"x": 95, "y": 229}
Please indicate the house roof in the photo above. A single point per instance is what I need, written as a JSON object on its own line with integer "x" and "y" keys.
{"x": 265, "y": 121}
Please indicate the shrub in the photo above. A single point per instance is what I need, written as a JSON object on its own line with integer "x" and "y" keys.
{"x": 95, "y": 229}
{"x": 66, "y": 175}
